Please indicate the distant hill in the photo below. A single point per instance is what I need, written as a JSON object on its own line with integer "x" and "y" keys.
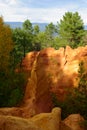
{"x": 41, "y": 25}
{"x": 19, "y": 24}
{"x": 14, "y": 24}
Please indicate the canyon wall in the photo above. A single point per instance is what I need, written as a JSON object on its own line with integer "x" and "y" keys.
{"x": 48, "y": 71}
{"x": 52, "y": 71}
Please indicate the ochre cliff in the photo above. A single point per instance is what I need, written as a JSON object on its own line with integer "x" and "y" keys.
{"x": 49, "y": 71}
{"x": 52, "y": 71}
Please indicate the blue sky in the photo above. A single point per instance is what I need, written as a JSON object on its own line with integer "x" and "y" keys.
{"x": 41, "y": 10}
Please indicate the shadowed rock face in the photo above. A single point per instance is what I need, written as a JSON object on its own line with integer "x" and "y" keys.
{"x": 49, "y": 71}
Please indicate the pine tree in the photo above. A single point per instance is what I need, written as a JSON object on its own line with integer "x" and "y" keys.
{"x": 71, "y": 29}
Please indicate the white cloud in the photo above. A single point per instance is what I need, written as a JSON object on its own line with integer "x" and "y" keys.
{"x": 12, "y": 2}
{"x": 8, "y": 2}
{"x": 44, "y": 15}
{"x": 83, "y": 14}
{"x": 15, "y": 10}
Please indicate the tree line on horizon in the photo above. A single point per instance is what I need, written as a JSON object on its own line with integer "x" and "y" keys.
{"x": 15, "y": 43}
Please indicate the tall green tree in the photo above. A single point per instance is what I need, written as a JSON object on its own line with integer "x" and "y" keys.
{"x": 50, "y": 33}
{"x": 27, "y": 25}
{"x": 22, "y": 38}
{"x": 22, "y": 41}
{"x": 36, "y": 29}
{"x": 50, "y": 30}
{"x": 42, "y": 39}
{"x": 36, "y": 45}
{"x": 71, "y": 29}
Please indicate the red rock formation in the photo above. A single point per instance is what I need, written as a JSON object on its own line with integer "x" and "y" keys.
{"x": 52, "y": 71}
{"x": 48, "y": 71}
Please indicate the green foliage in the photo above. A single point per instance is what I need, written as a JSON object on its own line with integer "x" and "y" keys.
{"x": 27, "y": 25}
{"x": 59, "y": 42}
{"x": 36, "y": 44}
{"x": 22, "y": 41}
{"x": 36, "y": 29}
{"x": 85, "y": 38}
{"x": 83, "y": 124}
{"x": 76, "y": 99}
{"x": 22, "y": 38}
{"x": 41, "y": 39}
{"x": 50, "y": 30}
{"x": 83, "y": 79}
{"x": 11, "y": 88}
{"x": 71, "y": 29}
{"x": 50, "y": 34}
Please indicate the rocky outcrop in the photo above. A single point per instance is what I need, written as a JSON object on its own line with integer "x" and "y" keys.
{"x": 15, "y": 123}
{"x": 73, "y": 122}
{"x": 48, "y": 121}
{"x": 43, "y": 121}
